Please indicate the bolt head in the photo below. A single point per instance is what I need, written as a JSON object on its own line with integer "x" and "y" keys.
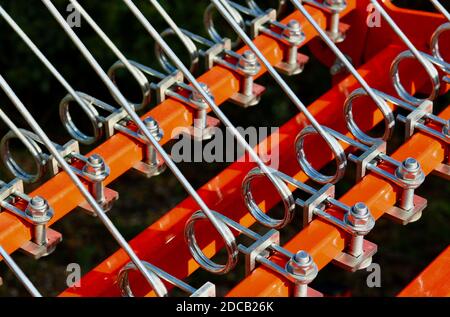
{"x": 248, "y": 62}
{"x": 153, "y": 126}
{"x": 302, "y": 267}
{"x": 359, "y": 217}
{"x": 96, "y": 166}
{"x": 409, "y": 170}
{"x": 293, "y": 33}
{"x": 38, "y": 209}
{"x": 197, "y": 96}
{"x": 337, "y": 5}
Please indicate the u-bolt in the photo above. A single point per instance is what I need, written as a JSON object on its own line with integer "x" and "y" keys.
{"x": 300, "y": 267}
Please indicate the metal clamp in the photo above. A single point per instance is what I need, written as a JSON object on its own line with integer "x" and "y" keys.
{"x": 94, "y": 170}
{"x": 359, "y": 252}
{"x": 419, "y": 118}
{"x": 336, "y": 31}
{"x": 207, "y": 290}
{"x": 173, "y": 86}
{"x": 408, "y": 174}
{"x": 300, "y": 268}
{"x": 290, "y": 35}
{"x": 118, "y": 120}
{"x": 220, "y": 53}
{"x": 152, "y": 164}
{"x": 35, "y": 211}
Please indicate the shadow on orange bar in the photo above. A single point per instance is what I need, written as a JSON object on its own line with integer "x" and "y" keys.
{"x": 434, "y": 281}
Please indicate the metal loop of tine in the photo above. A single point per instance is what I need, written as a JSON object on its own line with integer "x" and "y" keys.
{"x": 221, "y": 228}
{"x": 149, "y": 276}
{"x": 221, "y": 269}
{"x": 223, "y": 8}
{"x": 207, "y": 290}
{"x": 299, "y": 268}
{"x": 441, "y": 29}
{"x": 260, "y": 21}
{"x": 357, "y": 220}
{"x": 19, "y": 273}
{"x": 426, "y": 61}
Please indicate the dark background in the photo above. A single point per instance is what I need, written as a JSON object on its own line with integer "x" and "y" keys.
{"x": 403, "y": 252}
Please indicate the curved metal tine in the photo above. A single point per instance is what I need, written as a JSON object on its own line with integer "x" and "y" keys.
{"x": 29, "y": 142}
{"x": 428, "y": 65}
{"x": 337, "y": 150}
{"x": 441, "y": 9}
{"x": 66, "y": 167}
{"x": 224, "y": 232}
{"x": 207, "y": 290}
{"x": 54, "y": 71}
{"x": 381, "y": 105}
{"x": 198, "y": 87}
{"x": 19, "y": 273}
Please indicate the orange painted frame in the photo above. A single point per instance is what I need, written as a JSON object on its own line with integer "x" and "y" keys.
{"x": 223, "y": 194}
{"x": 377, "y": 193}
{"x": 434, "y": 281}
{"x": 121, "y": 152}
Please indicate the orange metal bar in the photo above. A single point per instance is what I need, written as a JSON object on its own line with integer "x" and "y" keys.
{"x": 121, "y": 152}
{"x": 434, "y": 281}
{"x": 322, "y": 240}
{"x": 156, "y": 243}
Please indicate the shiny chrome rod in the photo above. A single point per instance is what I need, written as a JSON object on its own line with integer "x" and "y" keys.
{"x": 428, "y": 66}
{"x": 179, "y": 64}
{"x": 16, "y": 269}
{"x": 224, "y": 8}
{"x": 97, "y": 130}
{"x": 441, "y": 9}
{"x": 149, "y": 276}
{"x": 381, "y": 105}
{"x": 223, "y": 230}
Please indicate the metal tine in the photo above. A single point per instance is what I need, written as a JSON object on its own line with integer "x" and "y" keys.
{"x": 382, "y": 106}
{"x": 76, "y": 96}
{"x": 258, "y": 252}
{"x": 334, "y": 145}
{"x": 441, "y": 9}
{"x": 19, "y": 273}
{"x": 207, "y": 290}
{"x": 149, "y": 276}
{"x": 337, "y": 150}
{"x": 223, "y": 230}
{"x": 427, "y": 64}
{"x": 265, "y": 169}
{"x": 204, "y": 94}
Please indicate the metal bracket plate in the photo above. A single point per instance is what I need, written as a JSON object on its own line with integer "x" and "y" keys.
{"x": 404, "y": 217}
{"x": 424, "y": 108}
{"x": 350, "y": 263}
{"x": 110, "y": 197}
{"x": 293, "y": 69}
{"x": 38, "y": 251}
{"x": 314, "y": 201}
{"x": 259, "y": 248}
{"x": 248, "y": 101}
{"x": 207, "y": 290}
